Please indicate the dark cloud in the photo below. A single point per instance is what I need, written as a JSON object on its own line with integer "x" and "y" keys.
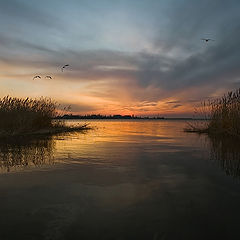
{"x": 14, "y": 11}
{"x": 178, "y": 59}
{"x": 215, "y": 62}
{"x": 10, "y": 45}
{"x": 176, "y": 106}
{"x": 172, "y": 102}
{"x": 191, "y": 20}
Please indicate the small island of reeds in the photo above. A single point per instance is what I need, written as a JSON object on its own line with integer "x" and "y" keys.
{"x": 222, "y": 116}
{"x": 27, "y": 116}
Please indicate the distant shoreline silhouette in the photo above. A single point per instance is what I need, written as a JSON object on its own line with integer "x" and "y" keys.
{"x": 118, "y": 116}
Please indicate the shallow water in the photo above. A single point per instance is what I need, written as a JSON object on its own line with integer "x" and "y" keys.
{"x": 122, "y": 180}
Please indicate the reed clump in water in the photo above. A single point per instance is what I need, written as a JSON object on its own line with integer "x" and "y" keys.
{"x": 27, "y": 115}
{"x": 223, "y": 115}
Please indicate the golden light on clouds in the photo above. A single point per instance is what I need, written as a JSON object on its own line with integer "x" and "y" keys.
{"x": 98, "y": 96}
{"x": 124, "y": 58}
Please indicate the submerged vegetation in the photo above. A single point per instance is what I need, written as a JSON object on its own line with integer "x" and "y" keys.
{"x": 222, "y": 116}
{"x": 31, "y": 116}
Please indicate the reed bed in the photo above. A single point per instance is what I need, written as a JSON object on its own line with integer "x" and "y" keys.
{"x": 27, "y": 115}
{"x": 225, "y": 114}
{"x": 222, "y": 115}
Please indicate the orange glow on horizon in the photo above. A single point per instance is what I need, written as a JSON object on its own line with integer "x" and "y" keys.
{"x": 110, "y": 96}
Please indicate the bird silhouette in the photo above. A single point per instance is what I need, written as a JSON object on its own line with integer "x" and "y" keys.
{"x": 48, "y": 77}
{"x": 207, "y": 39}
{"x": 66, "y": 65}
{"x": 36, "y": 77}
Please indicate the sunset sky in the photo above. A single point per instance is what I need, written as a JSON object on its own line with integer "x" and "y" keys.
{"x": 142, "y": 57}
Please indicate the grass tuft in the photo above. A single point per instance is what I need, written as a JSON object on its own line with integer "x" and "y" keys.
{"x": 223, "y": 115}
{"x": 27, "y": 115}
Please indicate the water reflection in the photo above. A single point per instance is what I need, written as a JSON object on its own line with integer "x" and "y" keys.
{"x": 146, "y": 179}
{"x": 108, "y": 144}
{"x": 225, "y": 151}
{"x": 25, "y": 152}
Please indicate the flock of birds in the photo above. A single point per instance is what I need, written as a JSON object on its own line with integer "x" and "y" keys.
{"x": 49, "y": 77}
{"x": 67, "y": 65}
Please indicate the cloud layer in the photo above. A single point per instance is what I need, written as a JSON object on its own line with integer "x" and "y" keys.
{"x": 127, "y": 57}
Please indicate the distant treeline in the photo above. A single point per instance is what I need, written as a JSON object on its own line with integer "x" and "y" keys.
{"x": 99, "y": 116}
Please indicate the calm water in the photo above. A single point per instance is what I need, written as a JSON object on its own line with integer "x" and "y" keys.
{"x": 121, "y": 180}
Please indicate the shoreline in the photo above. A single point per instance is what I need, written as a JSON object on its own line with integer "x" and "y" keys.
{"x": 46, "y": 131}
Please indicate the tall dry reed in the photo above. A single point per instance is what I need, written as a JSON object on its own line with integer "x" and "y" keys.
{"x": 223, "y": 114}
{"x": 19, "y": 114}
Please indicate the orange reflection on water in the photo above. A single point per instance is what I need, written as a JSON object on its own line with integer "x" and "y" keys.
{"x": 110, "y": 140}
{"x": 110, "y": 143}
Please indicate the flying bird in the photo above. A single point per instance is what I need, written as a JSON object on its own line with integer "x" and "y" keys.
{"x": 207, "y": 39}
{"x": 37, "y": 77}
{"x": 66, "y": 65}
{"x": 48, "y": 77}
